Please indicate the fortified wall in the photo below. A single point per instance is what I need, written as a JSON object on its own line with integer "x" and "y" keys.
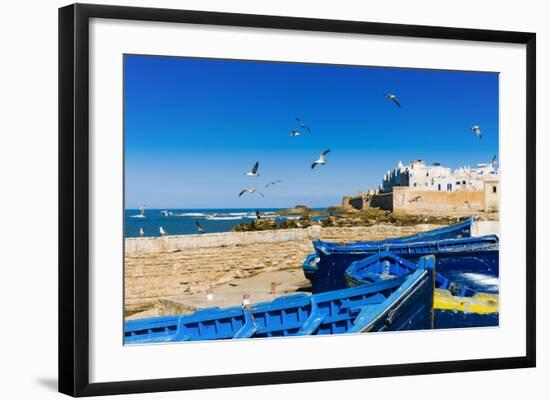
{"x": 174, "y": 265}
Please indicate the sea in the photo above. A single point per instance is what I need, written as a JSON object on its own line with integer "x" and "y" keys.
{"x": 182, "y": 221}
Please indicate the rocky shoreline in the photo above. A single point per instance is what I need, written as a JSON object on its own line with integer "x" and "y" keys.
{"x": 345, "y": 217}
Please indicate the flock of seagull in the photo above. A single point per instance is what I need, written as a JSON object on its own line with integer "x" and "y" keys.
{"x": 321, "y": 161}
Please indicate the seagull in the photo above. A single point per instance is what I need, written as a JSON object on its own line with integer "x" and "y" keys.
{"x": 272, "y": 183}
{"x": 162, "y": 231}
{"x": 254, "y": 171}
{"x": 302, "y": 125}
{"x": 294, "y": 133}
{"x": 200, "y": 228}
{"x": 250, "y": 191}
{"x": 476, "y": 130}
{"x": 321, "y": 159}
{"x": 141, "y": 233}
{"x": 416, "y": 199}
{"x": 393, "y": 98}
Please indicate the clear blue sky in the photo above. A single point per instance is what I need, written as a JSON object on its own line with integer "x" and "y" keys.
{"x": 194, "y": 126}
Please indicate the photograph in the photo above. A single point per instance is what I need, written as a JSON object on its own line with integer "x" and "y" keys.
{"x": 274, "y": 199}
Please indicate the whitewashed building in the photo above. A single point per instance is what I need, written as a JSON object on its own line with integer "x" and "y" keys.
{"x": 419, "y": 176}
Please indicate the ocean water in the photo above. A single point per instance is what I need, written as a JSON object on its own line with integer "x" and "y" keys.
{"x": 182, "y": 221}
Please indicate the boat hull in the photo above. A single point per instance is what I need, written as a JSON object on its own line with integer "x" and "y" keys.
{"x": 457, "y": 260}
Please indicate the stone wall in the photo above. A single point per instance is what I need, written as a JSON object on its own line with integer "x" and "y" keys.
{"x": 175, "y": 265}
{"x": 406, "y": 200}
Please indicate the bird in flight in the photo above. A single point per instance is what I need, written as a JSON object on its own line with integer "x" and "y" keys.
{"x": 393, "y": 98}
{"x": 321, "y": 160}
{"x": 200, "y": 229}
{"x": 302, "y": 125}
{"x": 162, "y": 231}
{"x": 254, "y": 171}
{"x": 294, "y": 133}
{"x": 250, "y": 191}
{"x": 476, "y": 130}
{"x": 272, "y": 183}
{"x": 415, "y": 199}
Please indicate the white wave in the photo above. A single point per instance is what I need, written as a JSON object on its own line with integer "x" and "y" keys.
{"x": 137, "y": 216}
{"x": 291, "y": 217}
{"x": 223, "y": 218}
{"x": 191, "y": 214}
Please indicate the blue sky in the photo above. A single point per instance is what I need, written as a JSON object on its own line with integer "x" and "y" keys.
{"x": 194, "y": 126}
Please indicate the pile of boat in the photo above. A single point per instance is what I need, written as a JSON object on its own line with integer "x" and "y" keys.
{"x": 388, "y": 285}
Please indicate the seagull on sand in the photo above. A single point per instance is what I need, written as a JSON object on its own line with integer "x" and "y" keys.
{"x": 162, "y": 231}
{"x": 250, "y": 191}
{"x": 141, "y": 233}
{"x": 254, "y": 171}
{"x": 200, "y": 228}
{"x": 272, "y": 183}
{"x": 476, "y": 130}
{"x": 393, "y": 98}
{"x": 321, "y": 159}
{"x": 416, "y": 199}
{"x": 302, "y": 125}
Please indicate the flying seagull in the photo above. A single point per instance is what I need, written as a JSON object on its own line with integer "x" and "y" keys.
{"x": 302, "y": 125}
{"x": 141, "y": 233}
{"x": 200, "y": 228}
{"x": 321, "y": 159}
{"x": 254, "y": 171}
{"x": 416, "y": 199}
{"x": 272, "y": 183}
{"x": 162, "y": 231}
{"x": 250, "y": 191}
{"x": 476, "y": 130}
{"x": 393, "y": 98}
{"x": 294, "y": 133}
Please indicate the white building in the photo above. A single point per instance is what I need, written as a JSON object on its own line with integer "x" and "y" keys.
{"x": 417, "y": 175}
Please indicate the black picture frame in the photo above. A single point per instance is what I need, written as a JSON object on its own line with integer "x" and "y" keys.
{"x": 74, "y": 198}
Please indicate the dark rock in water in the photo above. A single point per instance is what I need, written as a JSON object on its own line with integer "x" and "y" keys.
{"x": 298, "y": 209}
{"x": 256, "y": 225}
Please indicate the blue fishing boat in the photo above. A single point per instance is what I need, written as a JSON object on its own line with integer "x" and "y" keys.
{"x": 457, "y": 259}
{"x": 461, "y": 230}
{"x": 402, "y": 303}
{"x": 386, "y": 265}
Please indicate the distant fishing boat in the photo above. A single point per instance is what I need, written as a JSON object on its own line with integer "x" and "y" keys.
{"x": 477, "y": 254}
{"x": 386, "y": 265}
{"x": 461, "y": 230}
{"x": 401, "y": 303}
